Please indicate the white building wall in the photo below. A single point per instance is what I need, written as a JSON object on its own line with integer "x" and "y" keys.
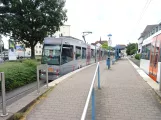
{"x": 64, "y": 31}
{"x": 140, "y": 42}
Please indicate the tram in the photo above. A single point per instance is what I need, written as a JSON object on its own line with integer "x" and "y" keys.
{"x": 151, "y": 56}
{"x": 66, "y": 54}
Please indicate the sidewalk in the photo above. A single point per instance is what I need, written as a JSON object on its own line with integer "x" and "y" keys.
{"x": 124, "y": 95}
{"x": 67, "y": 100}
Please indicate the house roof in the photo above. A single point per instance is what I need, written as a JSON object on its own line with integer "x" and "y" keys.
{"x": 101, "y": 42}
{"x": 147, "y": 30}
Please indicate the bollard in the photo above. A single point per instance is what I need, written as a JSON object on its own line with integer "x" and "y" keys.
{"x": 93, "y": 105}
{"x": 38, "y": 82}
{"x": 99, "y": 77}
{"x": 2, "y": 78}
{"x": 160, "y": 79}
{"x": 108, "y": 63}
{"x": 47, "y": 80}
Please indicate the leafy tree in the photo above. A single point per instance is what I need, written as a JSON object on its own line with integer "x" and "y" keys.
{"x": 131, "y": 48}
{"x": 29, "y": 21}
{"x": 105, "y": 45}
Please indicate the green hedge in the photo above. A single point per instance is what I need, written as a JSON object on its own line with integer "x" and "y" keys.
{"x": 18, "y": 74}
{"x": 137, "y": 56}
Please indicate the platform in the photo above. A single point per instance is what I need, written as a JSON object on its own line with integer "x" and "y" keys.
{"x": 124, "y": 95}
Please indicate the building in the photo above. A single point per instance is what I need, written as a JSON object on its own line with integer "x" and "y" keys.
{"x": 64, "y": 31}
{"x": 99, "y": 43}
{"x": 148, "y": 31}
{"x": 122, "y": 49}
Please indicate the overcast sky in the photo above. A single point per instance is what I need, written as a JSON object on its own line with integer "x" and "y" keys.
{"x": 116, "y": 17}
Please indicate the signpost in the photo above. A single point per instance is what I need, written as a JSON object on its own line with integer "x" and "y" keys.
{"x": 109, "y": 44}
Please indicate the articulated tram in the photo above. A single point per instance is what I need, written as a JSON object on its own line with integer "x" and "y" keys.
{"x": 66, "y": 54}
{"x": 151, "y": 56}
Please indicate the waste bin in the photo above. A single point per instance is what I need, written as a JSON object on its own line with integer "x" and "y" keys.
{"x": 108, "y": 62}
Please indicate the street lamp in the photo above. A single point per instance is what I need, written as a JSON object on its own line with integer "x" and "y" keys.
{"x": 1, "y": 45}
{"x": 85, "y": 34}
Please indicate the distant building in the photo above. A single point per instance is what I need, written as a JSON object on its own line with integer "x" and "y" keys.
{"x": 64, "y": 31}
{"x": 148, "y": 31}
{"x": 99, "y": 42}
{"x": 122, "y": 49}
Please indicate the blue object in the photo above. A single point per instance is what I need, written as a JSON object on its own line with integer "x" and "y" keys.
{"x": 108, "y": 62}
{"x": 93, "y": 105}
{"x": 99, "y": 77}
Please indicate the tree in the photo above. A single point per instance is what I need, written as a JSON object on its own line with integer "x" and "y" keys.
{"x": 105, "y": 45}
{"x": 131, "y": 48}
{"x": 29, "y": 21}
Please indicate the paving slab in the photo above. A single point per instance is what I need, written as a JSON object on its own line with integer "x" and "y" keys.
{"x": 124, "y": 95}
{"x": 67, "y": 100}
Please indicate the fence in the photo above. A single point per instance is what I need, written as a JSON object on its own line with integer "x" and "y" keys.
{"x": 92, "y": 92}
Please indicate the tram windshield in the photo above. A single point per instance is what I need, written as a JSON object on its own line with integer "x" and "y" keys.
{"x": 51, "y": 55}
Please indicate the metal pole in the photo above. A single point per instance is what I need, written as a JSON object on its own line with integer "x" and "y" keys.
{"x": 160, "y": 80}
{"x": 2, "y": 78}
{"x": 93, "y": 105}
{"x": 38, "y": 83}
{"x": 47, "y": 76}
{"x": 1, "y": 53}
{"x": 99, "y": 77}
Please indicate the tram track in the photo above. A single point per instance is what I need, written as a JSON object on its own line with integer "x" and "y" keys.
{"x": 19, "y": 93}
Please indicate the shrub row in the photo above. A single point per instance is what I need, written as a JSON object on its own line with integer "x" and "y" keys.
{"x": 19, "y": 74}
{"x": 137, "y": 56}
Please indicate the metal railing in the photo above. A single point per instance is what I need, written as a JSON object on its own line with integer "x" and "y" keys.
{"x": 91, "y": 92}
{"x": 41, "y": 67}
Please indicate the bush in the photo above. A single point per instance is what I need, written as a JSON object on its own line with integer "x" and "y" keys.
{"x": 19, "y": 74}
{"x": 137, "y": 56}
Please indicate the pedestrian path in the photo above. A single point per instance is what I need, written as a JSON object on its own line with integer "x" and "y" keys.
{"x": 123, "y": 96}
{"x": 67, "y": 100}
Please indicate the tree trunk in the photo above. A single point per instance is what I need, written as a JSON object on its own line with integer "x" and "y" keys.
{"x": 32, "y": 52}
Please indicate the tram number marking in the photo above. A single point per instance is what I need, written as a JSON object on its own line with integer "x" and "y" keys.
{"x": 50, "y": 69}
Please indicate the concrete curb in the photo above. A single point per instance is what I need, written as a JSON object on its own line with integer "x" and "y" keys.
{"x": 57, "y": 81}
{"x": 146, "y": 78}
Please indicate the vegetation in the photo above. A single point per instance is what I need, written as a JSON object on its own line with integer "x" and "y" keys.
{"x": 132, "y": 48}
{"x": 18, "y": 74}
{"x": 137, "y": 56}
{"x": 29, "y": 21}
{"x": 105, "y": 45}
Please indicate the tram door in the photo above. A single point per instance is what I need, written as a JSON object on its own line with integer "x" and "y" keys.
{"x": 154, "y": 58}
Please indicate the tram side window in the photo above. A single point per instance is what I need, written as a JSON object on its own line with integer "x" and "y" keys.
{"x": 146, "y": 52}
{"x": 67, "y": 54}
{"x": 83, "y": 53}
{"x": 97, "y": 52}
{"x": 78, "y": 53}
{"x": 92, "y": 53}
